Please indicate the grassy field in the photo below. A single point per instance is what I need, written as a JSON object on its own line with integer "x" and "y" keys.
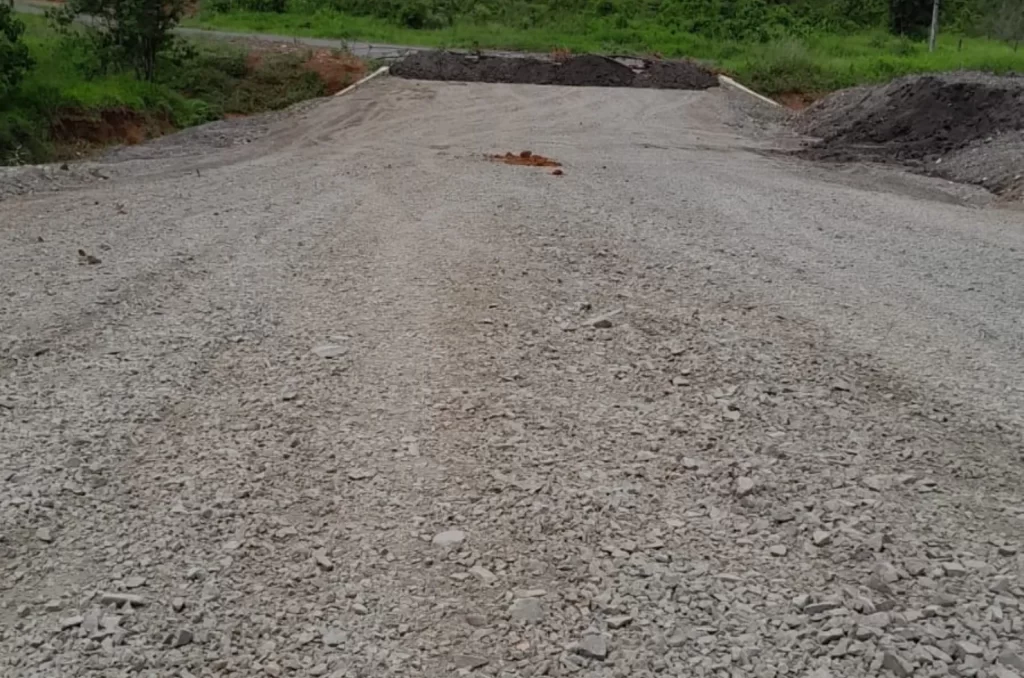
{"x": 813, "y": 64}
{"x": 60, "y": 111}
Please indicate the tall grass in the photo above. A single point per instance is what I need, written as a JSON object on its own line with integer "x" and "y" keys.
{"x": 814, "y": 62}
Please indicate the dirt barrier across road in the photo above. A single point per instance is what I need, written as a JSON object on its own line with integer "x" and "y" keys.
{"x": 583, "y": 70}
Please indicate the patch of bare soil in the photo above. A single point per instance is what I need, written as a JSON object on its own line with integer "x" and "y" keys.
{"x": 579, "y": 71}
{"x": 79, "y": 133}
{"x": 940, "y": 124}
{"x": 336, "y": 69}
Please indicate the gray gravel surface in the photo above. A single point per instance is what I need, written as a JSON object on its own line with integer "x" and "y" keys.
{"x": 355, "y": 401}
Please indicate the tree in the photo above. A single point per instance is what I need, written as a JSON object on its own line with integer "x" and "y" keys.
{"x": 1004, "y": 19}
{"x": 15, "y": 60}
{"x": 911, "y": 18}
{"x": 126, "y": 33}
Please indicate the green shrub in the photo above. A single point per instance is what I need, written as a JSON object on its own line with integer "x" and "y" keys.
{"x": 276, "y": 84}
{"x": 15, "y": 59}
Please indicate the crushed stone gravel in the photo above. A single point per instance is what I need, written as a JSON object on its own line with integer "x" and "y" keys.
{"x": 794, "y": 449}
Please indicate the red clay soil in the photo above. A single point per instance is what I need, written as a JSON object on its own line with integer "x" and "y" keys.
{"x": 797, "y": 101}
{"x": 337, "y": 70}
{"x": 112, "y": 126}
{"x": 526, "y": 159}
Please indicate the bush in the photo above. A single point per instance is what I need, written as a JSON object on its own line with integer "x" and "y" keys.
{"x": 22, "y": 139}
{"x": 15, "y": 60}
{"x": 276, "y": 84}
{"x": 124, "y": 33}
{"x": 784, "y": 67}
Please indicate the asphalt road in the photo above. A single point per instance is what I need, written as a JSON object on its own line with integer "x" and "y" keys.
{"x": 343, "y": 397}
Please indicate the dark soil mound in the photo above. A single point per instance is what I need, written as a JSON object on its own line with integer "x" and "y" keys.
{"x": 675, "y": 75}
{"x": 917, "y": 118}
{"x": 594, "y": 70}
{"x": 580, "y": 71}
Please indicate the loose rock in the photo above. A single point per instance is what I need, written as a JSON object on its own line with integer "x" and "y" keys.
{"x": 449, "y": 538}
{"x": 527, "y": 610}
{"x": 593, "y": 646}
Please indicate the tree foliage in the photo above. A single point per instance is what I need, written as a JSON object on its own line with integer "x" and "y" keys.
{"x": 124, "y": 33}
{"x": 15, "y": 60}
{"x": 1004, "y": 20}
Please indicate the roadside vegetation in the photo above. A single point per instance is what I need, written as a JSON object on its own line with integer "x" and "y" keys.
{"x": 66, "y": 90}
{"x": 778, "y": 46}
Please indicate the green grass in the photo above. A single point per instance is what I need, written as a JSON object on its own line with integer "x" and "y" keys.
{"x": 213, "y": 81}
{"x": 817, "y": 63}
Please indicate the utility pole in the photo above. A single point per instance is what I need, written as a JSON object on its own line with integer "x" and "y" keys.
{"x": 933, "y": 34}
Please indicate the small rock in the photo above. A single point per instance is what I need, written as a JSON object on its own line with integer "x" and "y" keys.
{"x": 318, "y": 669}
{"x": 232, "y": 545}
{"x": 476, "y": 620}
{"x": 1012, "y": 659}
{"x": 334, "y": 637}
{"x": 322, "y": 560}
{"x": 1007, "y": 550}
{"x": 794, "y": 621}
{"x": 360, "y": 474}
{"x": 830, "y": 635}
{"x": 593, "y": 646}
{"x": 867, "y": 632}
{"x": 603, "y": 322}
{"x": 619, "y": 622}
{"x": 70, "y": 622}
{"x": 483, "y": 574}
{"x": 778, "y": 550}
{"x": 134, "y": 582}
{"x": 527, "y": 610}
{"x": 469, "y": 662}
{"x": 744, "y": 486}
{"x": 915, "y": 567}
{"x": 120, "y": 599}
{"x": 449, "y": 538}
{"x": 179, "y": 638}
{"x": 330, "y": 351}
{"x": 878, "y": 620}
{"x": 897, "y": 664}
{"x": 783, "y": 516}
{"x": 360, "y": 609}
{"x": 801, "y": 601}
{"x": 818, "y": 608}
{"x": 965, "y": 648}
{"x": 43, "y": 534}
{"x": 177, "y": 604}
{"x": 821, "y": 538}
{"x": 954, "y": 569}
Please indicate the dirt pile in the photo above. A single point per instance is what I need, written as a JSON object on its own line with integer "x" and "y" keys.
{"x": 924, "y": 121}
{"x": 527, "y": 159}
{"x": 579, "y": 71}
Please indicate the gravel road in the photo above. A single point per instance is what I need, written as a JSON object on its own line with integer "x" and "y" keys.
{"x": 352, "y": 400}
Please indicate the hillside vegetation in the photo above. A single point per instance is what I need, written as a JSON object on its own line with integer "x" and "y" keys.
{"x": 777, "y": 46}
{"x": 63, "y": 102}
